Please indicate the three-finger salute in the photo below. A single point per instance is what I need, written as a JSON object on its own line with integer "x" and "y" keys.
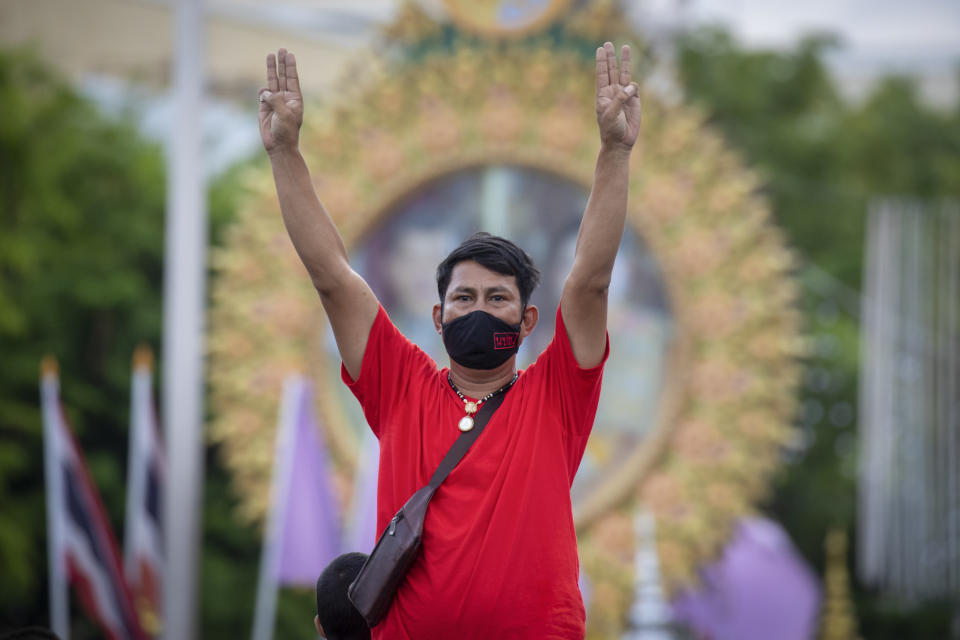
{"x": 618, "y": 104}
{"x": 281, "y": 103}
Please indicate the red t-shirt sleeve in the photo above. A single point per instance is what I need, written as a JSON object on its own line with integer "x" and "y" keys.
{"x": 390, "y": 361}
{"x": 577, "y": 390}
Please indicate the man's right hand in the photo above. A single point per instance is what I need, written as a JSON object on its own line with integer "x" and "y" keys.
{"x": 281, "y": 104}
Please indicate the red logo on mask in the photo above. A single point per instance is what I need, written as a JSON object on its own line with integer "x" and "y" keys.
{"x": 505, "y": 340}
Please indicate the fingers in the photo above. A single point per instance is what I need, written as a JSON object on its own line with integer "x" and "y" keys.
{"x": 612, "y": 63}
{"x": 273, "y": 84}
{"x": 625, "y": 94}
{"x": 616, "y": 105}
{"x": 282, "y": 72}
{"x": 625, "y": 65}
{"x": 293, "y": 80}
{"x": 603, "y": 76}
{"x": 282, "y": 68}
{"x": 272, "y": 99}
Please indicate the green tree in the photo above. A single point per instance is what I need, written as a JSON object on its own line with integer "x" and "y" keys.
{"x": 784, "y": 112}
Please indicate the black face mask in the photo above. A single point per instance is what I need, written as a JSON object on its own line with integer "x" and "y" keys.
{"x": 480, "y": 340}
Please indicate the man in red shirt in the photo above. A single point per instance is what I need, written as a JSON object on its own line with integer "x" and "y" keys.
{"x": 499, "y": 556}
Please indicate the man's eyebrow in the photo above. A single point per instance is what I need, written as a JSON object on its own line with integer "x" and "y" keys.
{"x": 497, "y": 288}
{"x": 464, "y": 289}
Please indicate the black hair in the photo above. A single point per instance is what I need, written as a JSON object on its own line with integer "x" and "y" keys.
{"x": 338, "y": 617}
{"x": 495, "y": 253}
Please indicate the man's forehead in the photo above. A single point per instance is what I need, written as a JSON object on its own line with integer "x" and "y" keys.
{"x": 472, "y": 275}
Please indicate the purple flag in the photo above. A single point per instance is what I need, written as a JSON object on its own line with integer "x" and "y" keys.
{"x": 362, "y": 531}
{"x": 760, "y": 588}
{"x": 309, "y": 531}
{"x": 303, "y": 525}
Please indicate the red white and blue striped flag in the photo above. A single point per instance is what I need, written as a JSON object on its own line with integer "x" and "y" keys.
{"x": 146, "y": 470}
{"x": 82, "y": 549}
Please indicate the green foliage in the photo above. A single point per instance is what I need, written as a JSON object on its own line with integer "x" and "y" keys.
{"x": 822, "y": 160}
{"x": 899, "y": 146}
{"x": 228, "y": 580}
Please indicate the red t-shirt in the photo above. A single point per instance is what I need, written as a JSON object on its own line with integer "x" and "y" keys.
{"x": 499, "y": 557}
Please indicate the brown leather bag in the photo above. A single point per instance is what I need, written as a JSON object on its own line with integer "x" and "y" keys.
{"x": 373, "y": 590}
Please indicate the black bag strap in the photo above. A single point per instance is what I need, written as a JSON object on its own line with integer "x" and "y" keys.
{"x": 467, "y": 438}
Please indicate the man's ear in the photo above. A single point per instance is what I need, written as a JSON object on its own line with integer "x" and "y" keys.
{"x": 316, "y": 623}
{"x": 437, "y": 315}
{"x": 531, "y": 315}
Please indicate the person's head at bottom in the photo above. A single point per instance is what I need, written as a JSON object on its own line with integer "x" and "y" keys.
{"x": 337, "y": 618}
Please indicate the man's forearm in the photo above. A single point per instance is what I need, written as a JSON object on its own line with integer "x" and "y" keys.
{"x": 313, "y": 233}
{"x": 603, "y": 220}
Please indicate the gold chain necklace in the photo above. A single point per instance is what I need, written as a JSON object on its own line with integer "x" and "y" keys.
{"x": 471, "y": 407}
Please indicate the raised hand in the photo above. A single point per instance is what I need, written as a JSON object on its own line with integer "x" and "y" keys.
{"x": 618, "y": 107}
{"x": 281, "y": 103}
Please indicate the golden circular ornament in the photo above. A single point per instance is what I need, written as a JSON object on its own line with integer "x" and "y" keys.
{"x": 727, "y": 396}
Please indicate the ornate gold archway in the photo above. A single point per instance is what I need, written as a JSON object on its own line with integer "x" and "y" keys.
{"x": 732, "y": 371}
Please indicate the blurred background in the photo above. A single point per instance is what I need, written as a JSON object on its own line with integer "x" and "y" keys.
{"x": 841, "y": 118}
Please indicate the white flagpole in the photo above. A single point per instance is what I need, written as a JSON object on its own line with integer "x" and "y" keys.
{"x": 59, "y": 590}
{"x": 265, "y": 610}
{"x": 135, "y": 475}
{"x": 184, "y": 285}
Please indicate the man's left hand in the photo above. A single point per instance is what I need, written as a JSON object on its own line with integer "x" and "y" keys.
{"x": 618, "y": 105}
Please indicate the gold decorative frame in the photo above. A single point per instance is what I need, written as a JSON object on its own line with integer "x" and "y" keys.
{"x": 733, "y": 370}
{"x": 465, "y": 15}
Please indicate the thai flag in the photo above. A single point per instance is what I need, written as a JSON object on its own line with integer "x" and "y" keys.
{"x": 81, "y": 545}
{"x": 146, "y": 470}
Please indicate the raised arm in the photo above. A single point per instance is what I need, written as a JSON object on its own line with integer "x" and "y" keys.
{"x": 584, "y": 299}
{"x": 347, "y": 299}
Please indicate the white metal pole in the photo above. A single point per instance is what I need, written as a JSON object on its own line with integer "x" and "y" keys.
{"x": 59, "y": 593}
{"x": 184, "y": 290}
